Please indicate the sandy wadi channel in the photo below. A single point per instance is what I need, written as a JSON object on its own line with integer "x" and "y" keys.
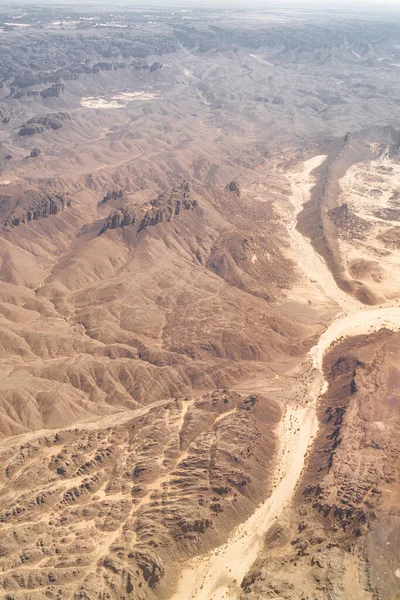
{"x": 218, "y": 574}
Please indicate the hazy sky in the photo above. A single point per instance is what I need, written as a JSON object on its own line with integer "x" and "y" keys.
{"x": 266, "y": 3}
{"x": 249, "y": 4}
{"x": 354, "y": 5}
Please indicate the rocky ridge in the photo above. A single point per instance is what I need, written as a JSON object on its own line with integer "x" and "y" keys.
{"x": 164, "y": 208}
{"x": 39, "y": 124}
{"x": 35, "y": 206}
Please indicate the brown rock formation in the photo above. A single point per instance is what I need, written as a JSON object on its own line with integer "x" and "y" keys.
{"x": 34, "y": 205}
{"x": 121, "y": 217}
{"x": 54, "y": 91}
{"x": 39, "y": 124}
{"x": 234, "y": 187}
{"x": 164, "y": 208}
{"x": 114, "y": 195}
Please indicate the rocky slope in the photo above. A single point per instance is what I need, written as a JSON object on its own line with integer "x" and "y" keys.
{"x": 110, "y": 507}
{"x": 338, "y": 536}
{"x": 19, "y": 205}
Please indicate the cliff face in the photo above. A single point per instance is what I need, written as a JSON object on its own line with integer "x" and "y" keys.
{"x": 121, "y": 217}
{"x": 31, "y": 205}
{"x": 165, "y": 207}
{"x": 39, "y": 124}
{"x": 54, "y": 91}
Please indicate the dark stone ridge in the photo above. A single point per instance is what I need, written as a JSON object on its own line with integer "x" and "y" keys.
{"x": 54, "y": 91}
{"x": 24, "y": 93}
{"x": 167, "y": 205}
{"x": 114, "y": 195}
{"x": 164, "y": 208}
{"x": 41, "y": 205}
{"x": 119, "y": 218}
{"x": 38, "y": 124}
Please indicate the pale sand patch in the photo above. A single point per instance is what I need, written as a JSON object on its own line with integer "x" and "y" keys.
{"x": 91, "y": 102}
{"x": 261, "y": 60}
{"x": 135, "y": 96}
{"x": 18, "y": 24}
{"x": 120, "y": 100}
{"x": 367, "y": 188}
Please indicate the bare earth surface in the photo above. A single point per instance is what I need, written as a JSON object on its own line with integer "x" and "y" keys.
{"x": 199, "y": 304}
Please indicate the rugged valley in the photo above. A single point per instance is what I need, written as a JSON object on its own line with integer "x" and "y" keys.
{"x": 199, "y": 304}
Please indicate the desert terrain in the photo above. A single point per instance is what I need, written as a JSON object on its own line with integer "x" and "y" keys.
{"x": 199, "y": 303}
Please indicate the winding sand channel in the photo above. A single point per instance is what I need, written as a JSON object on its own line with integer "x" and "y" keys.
{"x": 218, "y": 574}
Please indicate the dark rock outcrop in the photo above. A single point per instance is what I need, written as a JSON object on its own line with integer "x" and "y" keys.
{"x": 234, "y": 187}
{"x": 102, "y": 66}
{"x": 37, "y": 206}
{"x": 155, "y": 67}
{"x": 121, "y": 217}
{"x": 7, "y": 114}
{"x": 38, "y": 124}
{"x": 151, "y": 566}
{"x": 164, "y": 208}
{"x": 114, "y": 195}
{"x": 35, "y": 152}
{"x": 54, "y": 91}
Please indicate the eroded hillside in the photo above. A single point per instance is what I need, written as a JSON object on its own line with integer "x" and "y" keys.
{"x": 199, "y": 310}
